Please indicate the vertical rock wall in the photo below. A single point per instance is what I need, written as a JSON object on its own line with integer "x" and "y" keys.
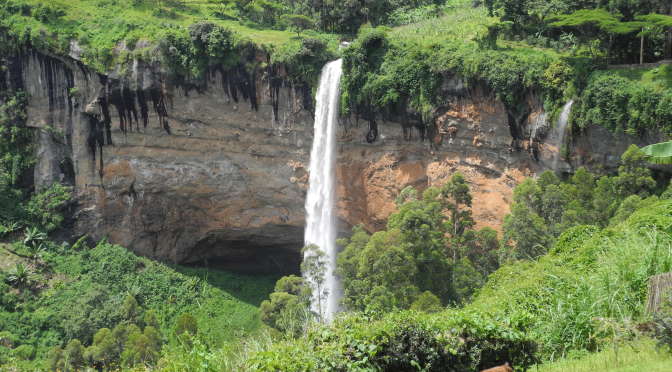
{"x": 219, "y": 173}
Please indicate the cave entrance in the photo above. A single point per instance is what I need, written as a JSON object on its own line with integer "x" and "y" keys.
{"x": 247, "y": 256}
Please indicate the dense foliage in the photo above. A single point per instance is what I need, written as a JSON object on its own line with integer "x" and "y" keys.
{"x": 591, "y": 289}
{"x": 545, "y": 207}
{"x": 429, "y": 250}
{"x": 401, "y": 341}
{"x": 389, "y": 77}
{"x": 611, "y": 25}
{"x": 625, "y": 106}
{"x": 116, "y": 308}
{"x": 20, "y": 206}
{"x": 329, "y": 16}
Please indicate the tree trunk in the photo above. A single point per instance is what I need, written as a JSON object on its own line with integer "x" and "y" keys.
{"x": 641, "y": 49}
{"x": 668, "y": 38}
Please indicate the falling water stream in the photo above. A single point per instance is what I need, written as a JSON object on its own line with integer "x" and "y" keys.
{"x": 559, "y": 132}
{"x": 320, "y": 219}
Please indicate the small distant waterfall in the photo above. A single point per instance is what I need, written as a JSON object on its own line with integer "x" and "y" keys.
{"x": 320, "y": 218}
{"x": 560, "y": 130}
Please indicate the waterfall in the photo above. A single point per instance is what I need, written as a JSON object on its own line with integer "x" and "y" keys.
{"x": 320, "y": 219}
{"x": 560, "y": 130}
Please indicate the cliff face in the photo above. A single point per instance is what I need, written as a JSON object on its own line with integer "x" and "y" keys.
{"x": 220, "y": 174}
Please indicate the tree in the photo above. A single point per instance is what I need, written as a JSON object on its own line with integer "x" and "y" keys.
{"x": 73, "y": 356}
{"x": 55, "y": 359}
{"x": 456, "y": 199}
{"x": 130, "y": 310}
{"x": 186, "y": 326}
{"x": 633, "y": 175}
{"x": 151, "y": 320}
{"x": 593, "y": 24}
{"x": 422, "y": 227}
{"x": 654, "y": 24}
{"x": 607, "y": 202}
{"x": 525, "y": 233}
{"x": 121, "y": 332}
{"x": 288, "y": 307}
{"x": 104, "y": 350}
{"x": 584, "y": 185}
{"x": 466, "y": 279}
{"x": 483, "y": 251}
{"x": 529, "y": 193}
{"x": 427, "y": 302}
{"x": 298, "y": 22}
{"x": 389, "y": 271}
{"x": 141, "y": 347}
{"x": 314, "y": 269}
{"x": 347, "y": 266}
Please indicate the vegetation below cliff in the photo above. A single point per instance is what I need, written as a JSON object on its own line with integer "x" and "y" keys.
{"x": 575, "y": 262}
{"x": 62, "y": 295}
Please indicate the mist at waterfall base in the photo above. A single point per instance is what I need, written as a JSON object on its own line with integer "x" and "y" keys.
{"x": 320, "y": 218}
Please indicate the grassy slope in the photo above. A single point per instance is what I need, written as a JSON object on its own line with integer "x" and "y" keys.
{"x": 100, "y": 26}
{"x": 112, "y": 21}
{"x": 658, "y": 77}
{"x": 225, "y": 305}
{"x": 588, "y": 293}
{"x": 461, "y": 25}
{"x": 636, "y": 357}
{"x": 592, "y": 284}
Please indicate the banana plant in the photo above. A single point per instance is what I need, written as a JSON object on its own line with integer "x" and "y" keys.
{"x": 659, "y": 153}
{"x": 20, "y": 276}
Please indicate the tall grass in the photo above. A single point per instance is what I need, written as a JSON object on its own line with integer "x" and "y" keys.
{"x": 588, "y": 297}
{"x": 461, "y": 22}
{"x": 634, "y": 357}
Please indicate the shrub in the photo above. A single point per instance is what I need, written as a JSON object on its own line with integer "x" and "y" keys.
{"x": 662, "y": 321}
{"x": 427, "y": 302}
{"x": 186, "y": 325}
{"x": 401, "y": 341}
{"x": 288, "y": 308}
{"x": 623, "y": 106}
{"x": 304, "y": 59}
{"x": 24, "y": 352}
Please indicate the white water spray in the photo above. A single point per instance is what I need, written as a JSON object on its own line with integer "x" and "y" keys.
{"x": 320, "y": 218}
{"x": 560, "y": 130}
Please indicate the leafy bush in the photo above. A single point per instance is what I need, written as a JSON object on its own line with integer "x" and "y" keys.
{"x": 663, "y": 323}
{"x": 623, "y": 106}
{"x": 401, "y": 341}
{"x": 25, "y": 352}
{"x": 288, "y": 308}
{"x": 304, "y": 59}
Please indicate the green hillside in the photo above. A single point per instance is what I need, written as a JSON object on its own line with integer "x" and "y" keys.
{"x": 70, "y": 292}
